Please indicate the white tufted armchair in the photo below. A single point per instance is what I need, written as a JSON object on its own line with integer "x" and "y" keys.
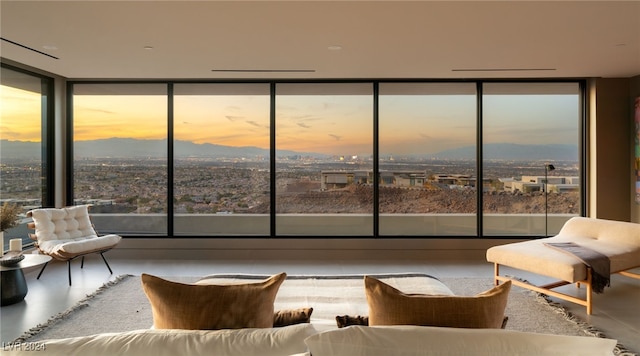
{"x": 67, "y": 233}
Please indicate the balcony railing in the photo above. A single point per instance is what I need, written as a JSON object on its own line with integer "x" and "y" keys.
{"x": 251, "y": 225}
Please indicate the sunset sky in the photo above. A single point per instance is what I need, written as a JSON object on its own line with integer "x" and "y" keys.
{"x": 19, "y": 115}
{"x": 331, "y": 124}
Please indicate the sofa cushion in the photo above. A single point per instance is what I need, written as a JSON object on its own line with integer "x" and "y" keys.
{"x": 389, "y": 306}
{"x": 190, "y": 306}
{"x": 423, "y": 340}
{"x": 265, "y": 342}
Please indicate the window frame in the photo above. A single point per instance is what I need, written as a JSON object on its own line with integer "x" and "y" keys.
{"x": 582, "y": 149}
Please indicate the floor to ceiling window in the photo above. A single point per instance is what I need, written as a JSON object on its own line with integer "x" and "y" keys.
{"x": 25, "y": 144}
{"x": 531, "y": 157}
{"x": 221, "y": 159}
{"x": 324, "y": 159}
{"x": 120, "y": 155}
{"x": 377, "y": 158}
{"x": 427, "y": 149}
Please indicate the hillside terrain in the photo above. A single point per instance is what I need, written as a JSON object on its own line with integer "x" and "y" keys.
{"x": 359, "y": 199}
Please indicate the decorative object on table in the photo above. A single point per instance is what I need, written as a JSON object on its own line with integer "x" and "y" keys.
{"x": 15, "y": 245}
{"x": 11, "y": 258}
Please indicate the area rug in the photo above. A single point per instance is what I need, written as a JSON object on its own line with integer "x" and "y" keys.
{"x": 121, "y": 305}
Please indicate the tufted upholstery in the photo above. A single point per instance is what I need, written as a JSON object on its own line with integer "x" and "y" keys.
{"x": 67, "y": 232}
{"x": 618, "y": 240}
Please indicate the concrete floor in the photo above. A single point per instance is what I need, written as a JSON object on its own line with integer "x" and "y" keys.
{"x": 616, "y": 312}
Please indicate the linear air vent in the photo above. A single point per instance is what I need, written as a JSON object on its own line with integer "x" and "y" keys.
{"x": 265, "y": 70}
{"x": 501, "y": 69}
{"x": 29, "y": 48}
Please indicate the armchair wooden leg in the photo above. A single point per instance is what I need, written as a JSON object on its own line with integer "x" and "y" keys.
{"x": 82, "y": 262}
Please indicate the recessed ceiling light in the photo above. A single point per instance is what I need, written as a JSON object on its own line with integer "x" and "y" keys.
{"x": 50, "y": 47}
{"x": 334, "y": 48}
{"x": 148, "y": 48}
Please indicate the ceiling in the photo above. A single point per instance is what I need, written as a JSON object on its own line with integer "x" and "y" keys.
{"x": 323, "y": 39}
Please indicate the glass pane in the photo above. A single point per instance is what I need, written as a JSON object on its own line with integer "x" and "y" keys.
{"x": 427, "y": 150}
{"x": 23, "y": 115}
{"x": 530, "y": 157}
{"x": 324, "y": 145}
{"x": 221, "y": 159}
{"x": 120, "y": 156}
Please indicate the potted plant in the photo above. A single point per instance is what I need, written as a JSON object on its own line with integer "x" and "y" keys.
{"x": 8, "y": 216}
{"x": 8, "y": 219}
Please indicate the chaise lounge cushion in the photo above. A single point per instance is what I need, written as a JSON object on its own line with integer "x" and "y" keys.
{"x": 67, "y": 232}
{"x": 389, "y": 306}
{"x": 207, "y": 307}
{"x": 619, "y": 241}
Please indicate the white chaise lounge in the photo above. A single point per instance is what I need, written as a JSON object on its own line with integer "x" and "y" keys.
{"x": 619, "y": 241}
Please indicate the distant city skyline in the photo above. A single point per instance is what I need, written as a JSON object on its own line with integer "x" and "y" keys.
{"x": 329, "y": 124}
{"x": 128, "y": 148}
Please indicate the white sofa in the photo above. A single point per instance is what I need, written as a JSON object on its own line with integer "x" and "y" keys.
{"x": 304, "y": 339}
{"x": 173, "y": 304}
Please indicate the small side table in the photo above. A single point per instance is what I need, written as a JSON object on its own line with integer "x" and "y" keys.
{"x": 14, "y": 285}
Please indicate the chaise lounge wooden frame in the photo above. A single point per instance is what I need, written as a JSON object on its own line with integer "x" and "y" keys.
{"x": 618, "y": 240}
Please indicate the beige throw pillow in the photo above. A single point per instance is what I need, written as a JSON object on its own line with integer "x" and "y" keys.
{"x": 208, "y": 307}
{"x": 389, "y": 306}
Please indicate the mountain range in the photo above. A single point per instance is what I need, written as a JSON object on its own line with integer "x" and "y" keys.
{"x": 134, "y": 148}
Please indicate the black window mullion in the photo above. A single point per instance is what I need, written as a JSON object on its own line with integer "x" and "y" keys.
{"x": 170, "y": 187}
{"x": 48, "y": 143}
{"x": 70, "y": 177}
{"x": 272, "y": 160}
{"x": 376, "y": 165}
{"x": 479, "y": 165}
